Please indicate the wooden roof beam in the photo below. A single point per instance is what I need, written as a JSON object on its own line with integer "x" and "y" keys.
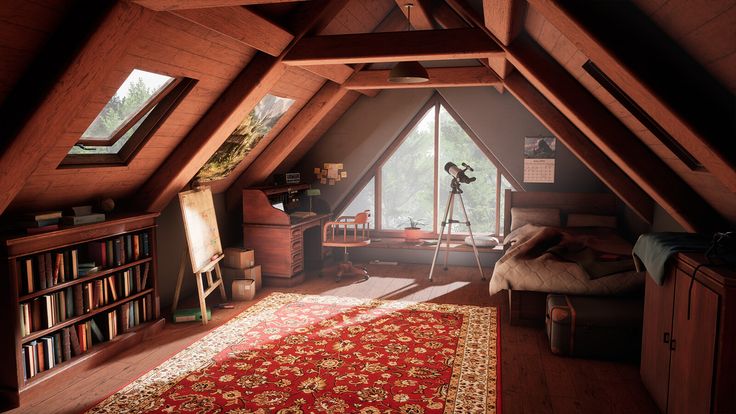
{"x": 289, "y": 138}
{"x": 438, "y": 78}
{"x": 336, "y": 73}
{"x": 248, "y": 88}
{"x": 242, "y": 25}
{"x": 587, "y": 152}
{"x": 504, "y": 18}
{"x": 705, "y": 126}
{"x": 418, "y": 45}
{"x": 613, "y": 138}
{"x": 162, "y": 5}
{"x": 59, "y": 82}
{"x": 420, "y": 13}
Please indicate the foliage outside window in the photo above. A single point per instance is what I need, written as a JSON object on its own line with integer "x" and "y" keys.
{"x": 256, "y": 125}
{"x": 127, "y": 120}
{"x": 410, "y": 179}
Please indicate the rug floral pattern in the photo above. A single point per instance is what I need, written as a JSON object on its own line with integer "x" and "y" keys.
{"x": 292, "y": 354}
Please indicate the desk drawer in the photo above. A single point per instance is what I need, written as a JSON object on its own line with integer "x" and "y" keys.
{"x": 297, "y": 267}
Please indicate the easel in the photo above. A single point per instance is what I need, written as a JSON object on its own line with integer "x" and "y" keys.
{"x": 204, "y": 248}
{"x": 201, "y": 293}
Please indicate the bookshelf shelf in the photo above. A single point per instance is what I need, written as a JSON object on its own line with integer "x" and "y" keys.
{"x": 87, "y": 278}
{"x": 88, "y": 315}
{"x": 92, "y": 316}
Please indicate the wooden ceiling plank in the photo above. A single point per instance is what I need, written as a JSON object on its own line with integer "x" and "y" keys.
{"x": 612, "y": 137}
{"x": 163, "y": 5}
{"x": 421, "y": 45}
{"x": 710, "y": 142}
{"x": 280, "y": 147}
{"x": 248, "y": 88}
{"x": 102, "y": 43}
{"x": 336, "y": 73}
{"x": 261, "y": 34}
{"x": 420, "y": 13}
{"x": 587, "y": 152}
{"x": 438, "y": 78}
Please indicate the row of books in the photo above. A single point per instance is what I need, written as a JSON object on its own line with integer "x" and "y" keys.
{"x": 48, "y": 310}
{"x": 120, "y": 250}
{"x": 51, "y": 350}
{"x": 46, "y": 270}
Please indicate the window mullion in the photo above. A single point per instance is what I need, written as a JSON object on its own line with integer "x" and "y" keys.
{"x": 436, "y": 166}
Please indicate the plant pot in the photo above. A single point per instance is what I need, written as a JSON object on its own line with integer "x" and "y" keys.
{"x": 412, "y": 234}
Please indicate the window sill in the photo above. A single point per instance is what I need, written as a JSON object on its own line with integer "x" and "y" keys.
{"x": 399, "y": 243}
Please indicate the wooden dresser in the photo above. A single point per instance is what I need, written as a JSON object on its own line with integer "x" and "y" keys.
{"x": 689, "y": 364}
{"x": 283, "y": 244}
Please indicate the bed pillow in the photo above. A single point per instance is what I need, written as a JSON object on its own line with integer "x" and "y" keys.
{"x": 590, "y": 220}
{"x": 538, "y": 216}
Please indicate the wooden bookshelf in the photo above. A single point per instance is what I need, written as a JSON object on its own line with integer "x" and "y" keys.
{"x": 138, "y": 301}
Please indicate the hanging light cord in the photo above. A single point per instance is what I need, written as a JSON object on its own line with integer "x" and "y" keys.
{"x": 408, "y": 16}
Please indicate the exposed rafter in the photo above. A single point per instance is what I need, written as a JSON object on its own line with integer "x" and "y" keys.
{"x": 612, "y": 137}
{"x": 336, "y": 73}
{"x": 589, "y": 154}
{"x": 161, "y": 5}
{"x": 242, "y": 25}
{"x": 241, "y": 96}
{"x": 37, "y": 114}
{"x": 504, "y": 18}
{"x": 438, "y": 78}
{"x": 418, "y": 45}
{"x": 704, "y": 126}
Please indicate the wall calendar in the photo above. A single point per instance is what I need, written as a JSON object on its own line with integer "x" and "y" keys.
{"x": 539, "y": 159}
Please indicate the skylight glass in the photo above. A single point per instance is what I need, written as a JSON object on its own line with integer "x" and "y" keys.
{"x": 133, "y": 96}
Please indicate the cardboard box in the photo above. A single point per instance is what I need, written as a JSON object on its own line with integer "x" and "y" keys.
{"x": 239, "y": 258}
{"x": 244, "y": 289}
{"x": 253, "y": 273}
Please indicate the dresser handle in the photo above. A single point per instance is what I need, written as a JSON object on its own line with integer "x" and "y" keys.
{"x": 672, "y": 345}
{"x": 666, "y": 337}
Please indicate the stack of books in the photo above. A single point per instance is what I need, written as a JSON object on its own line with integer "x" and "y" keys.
{"x": 82, "y": 215}
{"x": 41, "y": 222}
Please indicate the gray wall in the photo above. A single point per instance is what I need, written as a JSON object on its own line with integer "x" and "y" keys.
{"x": 365, "y": 131}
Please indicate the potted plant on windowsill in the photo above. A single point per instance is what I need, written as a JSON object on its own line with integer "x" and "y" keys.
{"x": 414, "y": 232}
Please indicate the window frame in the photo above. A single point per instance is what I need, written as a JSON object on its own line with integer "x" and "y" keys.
{"x": 374, "y": 172}
{"x": 160, "y": 108}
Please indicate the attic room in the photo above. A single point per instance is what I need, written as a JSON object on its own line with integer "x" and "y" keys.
{"x": 368, "y": 206}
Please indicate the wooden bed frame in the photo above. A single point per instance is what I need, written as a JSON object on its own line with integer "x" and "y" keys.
{"x": 526, "y": 307}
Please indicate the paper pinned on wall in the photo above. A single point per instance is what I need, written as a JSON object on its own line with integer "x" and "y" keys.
{"x": 539, "y": 159}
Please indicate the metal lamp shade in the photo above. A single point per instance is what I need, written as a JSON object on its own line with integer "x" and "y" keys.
{"x": 408, "y": 72}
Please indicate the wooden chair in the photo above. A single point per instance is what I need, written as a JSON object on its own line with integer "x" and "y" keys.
{"x": 335, "y": 234}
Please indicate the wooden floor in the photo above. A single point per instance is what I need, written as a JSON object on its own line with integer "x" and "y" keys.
{"x": 533, "y": 380}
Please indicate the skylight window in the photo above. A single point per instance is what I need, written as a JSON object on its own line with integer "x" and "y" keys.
{"x": 129, "y": 118}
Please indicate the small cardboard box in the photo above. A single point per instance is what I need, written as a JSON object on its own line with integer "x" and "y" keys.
{"x": 244, "y": 289}
{"x": 252, "y": 273}
{"x": 239, "y": 258}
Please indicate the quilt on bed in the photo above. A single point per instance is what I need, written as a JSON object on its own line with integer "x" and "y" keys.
{"x": 570, "y": 261}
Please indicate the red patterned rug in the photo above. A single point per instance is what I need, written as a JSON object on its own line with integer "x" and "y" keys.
{"x": 292, "y": 353}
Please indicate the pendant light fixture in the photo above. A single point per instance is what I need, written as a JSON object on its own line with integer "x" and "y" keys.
{"x": 408, "y": 72}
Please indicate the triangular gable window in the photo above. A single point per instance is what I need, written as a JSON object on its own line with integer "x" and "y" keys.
{"x": 410, "y": 181}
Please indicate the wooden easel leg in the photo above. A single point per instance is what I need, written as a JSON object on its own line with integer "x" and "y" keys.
{"x": 179, "y": 279}
{"x": 200, "y": 294}
{"x": 218, "y": 273}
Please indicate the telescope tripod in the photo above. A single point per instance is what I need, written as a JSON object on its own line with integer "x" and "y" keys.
{"x": 456, "y": 191}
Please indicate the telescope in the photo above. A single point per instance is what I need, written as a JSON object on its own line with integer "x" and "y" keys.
{"x": 458, "y": 173}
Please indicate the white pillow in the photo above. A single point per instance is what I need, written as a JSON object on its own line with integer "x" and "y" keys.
{"x": 590, "y": 220}
{"x": 482, "y": 241}
{"x": 538, "y": 216}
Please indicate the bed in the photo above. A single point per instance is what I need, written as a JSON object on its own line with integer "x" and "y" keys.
{"x": 543, "y": 255}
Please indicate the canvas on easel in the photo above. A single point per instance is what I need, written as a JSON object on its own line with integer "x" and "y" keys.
{"x": 203, "y": 243}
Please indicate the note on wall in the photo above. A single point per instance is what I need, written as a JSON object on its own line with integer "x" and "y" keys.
{"x": 200, "y": 226}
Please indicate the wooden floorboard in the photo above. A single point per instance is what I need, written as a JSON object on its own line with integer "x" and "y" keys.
{"x": 533, "y": 379}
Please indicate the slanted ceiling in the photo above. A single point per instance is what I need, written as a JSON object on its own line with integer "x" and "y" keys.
{"x": 62, "y": 60}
